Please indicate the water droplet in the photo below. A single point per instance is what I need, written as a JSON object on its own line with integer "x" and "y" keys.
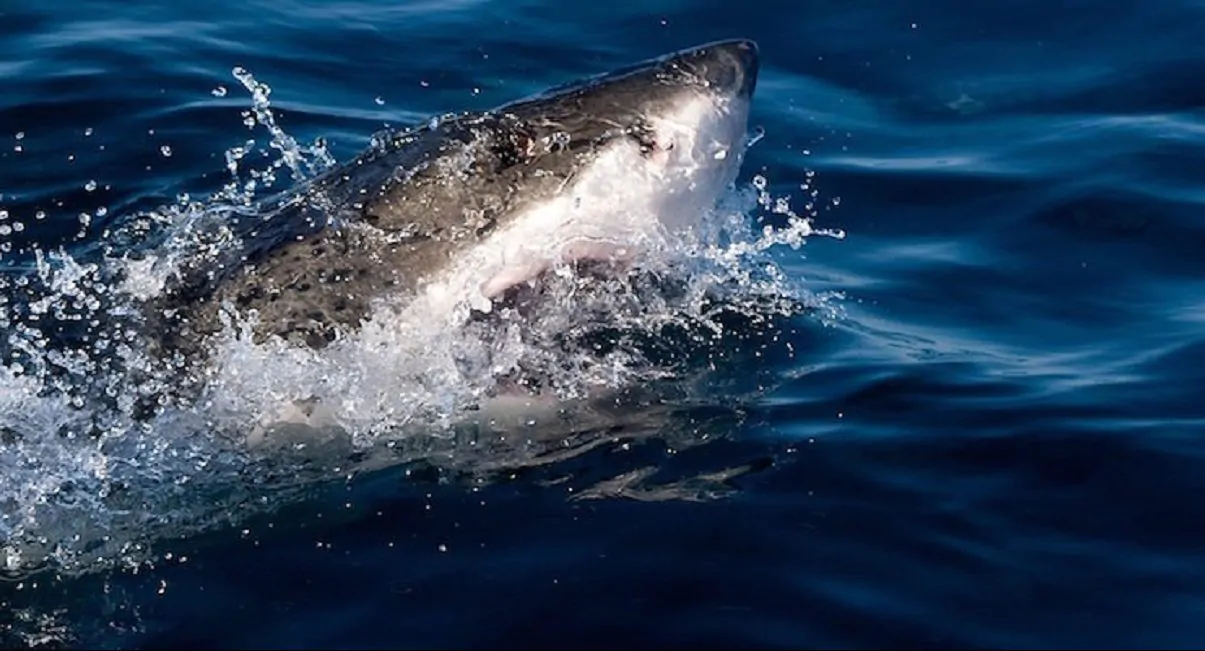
{"x": 759, "y": 132}
{"x": 18, "y": 226}
{"x": 20, "y": 135}
{"x": 220, "y": 91}
{"x": 90, "y": 186}
{"x": 379, "y": 101}
{"x": 102, "y": 211}
{"x": 41, "y": 214}
{"x": 87, "y": 132}
{"x": 166, "y": 150}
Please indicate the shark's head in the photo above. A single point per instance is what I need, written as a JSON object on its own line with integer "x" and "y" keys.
{"x": 607, "y": 164}
{"x": 678, "y": 121}
{"x": 597, "y": 168}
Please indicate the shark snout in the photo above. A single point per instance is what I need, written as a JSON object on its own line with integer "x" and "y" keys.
{"x": 729, "y": 66}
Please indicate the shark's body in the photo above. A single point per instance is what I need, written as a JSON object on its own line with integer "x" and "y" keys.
{"x": 450, "y": 215}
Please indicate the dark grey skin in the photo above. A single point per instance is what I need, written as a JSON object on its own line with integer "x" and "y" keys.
{"x": 311, "y": 262}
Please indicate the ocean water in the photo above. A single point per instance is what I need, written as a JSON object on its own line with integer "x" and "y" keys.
{"x": 934, "y": 384}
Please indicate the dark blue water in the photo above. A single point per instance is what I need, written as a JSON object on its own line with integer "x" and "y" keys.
{"x": 996, "y": 444}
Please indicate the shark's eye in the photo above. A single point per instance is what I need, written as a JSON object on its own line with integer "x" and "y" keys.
{"x": 644, "y": 136}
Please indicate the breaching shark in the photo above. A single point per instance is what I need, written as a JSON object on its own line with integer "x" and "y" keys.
{"x": 451, "y": 214}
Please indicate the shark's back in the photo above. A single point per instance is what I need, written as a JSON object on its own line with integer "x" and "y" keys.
{"x": 310, "y": 262}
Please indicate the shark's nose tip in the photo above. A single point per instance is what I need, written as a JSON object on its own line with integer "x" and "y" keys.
{"x": 731, "y": 65}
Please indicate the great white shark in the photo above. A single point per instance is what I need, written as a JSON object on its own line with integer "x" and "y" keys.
{"x": 447, "y": 216}
{"x": 439, "y": 221}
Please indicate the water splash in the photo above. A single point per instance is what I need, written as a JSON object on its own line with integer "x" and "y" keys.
{"x": 102, "y": 454}
{"x": 303, "y": 162}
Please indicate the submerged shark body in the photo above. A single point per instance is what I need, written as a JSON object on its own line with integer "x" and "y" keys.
{"x": 447, "y": 217}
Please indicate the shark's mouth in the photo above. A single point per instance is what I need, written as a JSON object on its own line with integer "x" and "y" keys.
{"x": 598, "y": 256}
